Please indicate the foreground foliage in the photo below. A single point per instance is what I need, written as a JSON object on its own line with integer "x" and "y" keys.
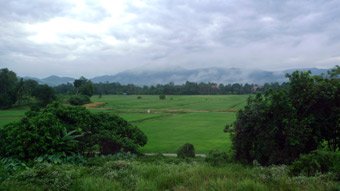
{"x": 317, "y": 162}
{"x": 276, "y": 127}
{"x": 60, "y": 130}
{"x": 156, "y": 173}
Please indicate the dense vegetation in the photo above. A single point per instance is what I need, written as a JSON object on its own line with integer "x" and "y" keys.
{"x": 81, "y": 91}
{"x": 189, "y": 88}
{"x": 60, "y": 147}
{"x": 22, "y": 92}
{"x": 121, "y": 172}
{"x": 60, "y": 130}
{"x": 278, "y": 126}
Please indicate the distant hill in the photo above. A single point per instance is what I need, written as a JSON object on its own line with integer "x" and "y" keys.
{"x": 52, "y": 80}
{"x": 180, "y": 76}
{"x": 218, "y": 75}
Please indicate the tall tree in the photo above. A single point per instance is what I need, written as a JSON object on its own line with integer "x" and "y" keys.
{"x": 44, "y": 94}
{"x": 278, "y": 126}
{"x": 83, "y": 86}
{"x": 8, "y": 88}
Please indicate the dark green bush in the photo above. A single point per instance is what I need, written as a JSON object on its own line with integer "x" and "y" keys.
{"x": 316, "y": 162}
{"x": 187, "y": 150}
{"x": 278, "y": 126}
{"x": 162, "y": 97}
{"x": 79, "y": 100}
{"x": 217, "y": 158}
{"x": 60, "y": 130}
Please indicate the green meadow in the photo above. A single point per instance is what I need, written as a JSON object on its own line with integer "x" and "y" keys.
{"x": 168, "y": 123}
{"x": 11, "y": 115}
{"x": 177, "y": 120}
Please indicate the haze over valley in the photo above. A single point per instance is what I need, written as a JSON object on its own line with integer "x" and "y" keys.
{"x": 180, "y": 76}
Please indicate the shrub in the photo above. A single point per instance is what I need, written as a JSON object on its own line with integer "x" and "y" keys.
{"x": 228, "y": 128}
{"x": 79, "y": 100}
{"x": 9, "y": 166}
{"x": 162, "y": 97}
{"x": 65, "y": 131}
{"x": 139, "y": 97}
{"x": 49, "y": 177}
{"x": 187, "y": 150}
{"x": 316, "y": 162}
{"x": 217, "y": 158}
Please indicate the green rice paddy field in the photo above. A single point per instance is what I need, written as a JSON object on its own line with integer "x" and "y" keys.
{"x": 168, "y": 123}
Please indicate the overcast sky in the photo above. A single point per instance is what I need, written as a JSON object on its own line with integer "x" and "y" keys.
{"x": 90, "y": 38}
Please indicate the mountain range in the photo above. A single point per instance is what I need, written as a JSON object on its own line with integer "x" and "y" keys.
{"x": 180, "y": 76}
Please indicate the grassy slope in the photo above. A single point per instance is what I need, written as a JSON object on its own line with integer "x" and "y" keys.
{"x": 160, "y": 174}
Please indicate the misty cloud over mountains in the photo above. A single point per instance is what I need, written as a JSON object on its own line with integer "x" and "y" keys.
{"x": 180, "y": 76}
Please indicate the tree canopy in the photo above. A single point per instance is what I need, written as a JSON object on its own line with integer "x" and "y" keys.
{"x": 18, "y": 91}
{"x": 83, "y": 86}
{"x": 278, "y": 126}
{"x": 8, "y": 87}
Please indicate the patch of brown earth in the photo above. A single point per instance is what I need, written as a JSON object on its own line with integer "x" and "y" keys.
{"x": 94, "y": 105}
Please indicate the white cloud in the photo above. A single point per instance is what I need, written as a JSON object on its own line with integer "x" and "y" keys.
{"x": 94, "y": 37}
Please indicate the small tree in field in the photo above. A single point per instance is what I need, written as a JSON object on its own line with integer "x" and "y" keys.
{"x": 83, "y": 86}
{"x": 162, "y": 97}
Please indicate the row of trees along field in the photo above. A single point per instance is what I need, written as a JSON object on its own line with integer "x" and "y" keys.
{"x": 189, "y": 88}
{"x": 278, "y": 126}
{"x": 16, "y": 91}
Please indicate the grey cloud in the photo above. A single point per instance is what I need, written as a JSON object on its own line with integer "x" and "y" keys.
{"x": 32, "y": 11}
{"x": 246, "y": 33}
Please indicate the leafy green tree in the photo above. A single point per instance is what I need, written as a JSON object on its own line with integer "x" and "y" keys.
{"x": 83, "y": 86}
{"x": 44, "y": 94}
{"x": 24, "y": 91}
{"x": 8, "y": 88}
{"x": 278, "y": 126}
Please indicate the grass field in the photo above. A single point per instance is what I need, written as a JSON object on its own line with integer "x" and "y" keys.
{"x": 178, "y": 119}
{"x": 169, "y": 123}
{"x": 11, "y": 115}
